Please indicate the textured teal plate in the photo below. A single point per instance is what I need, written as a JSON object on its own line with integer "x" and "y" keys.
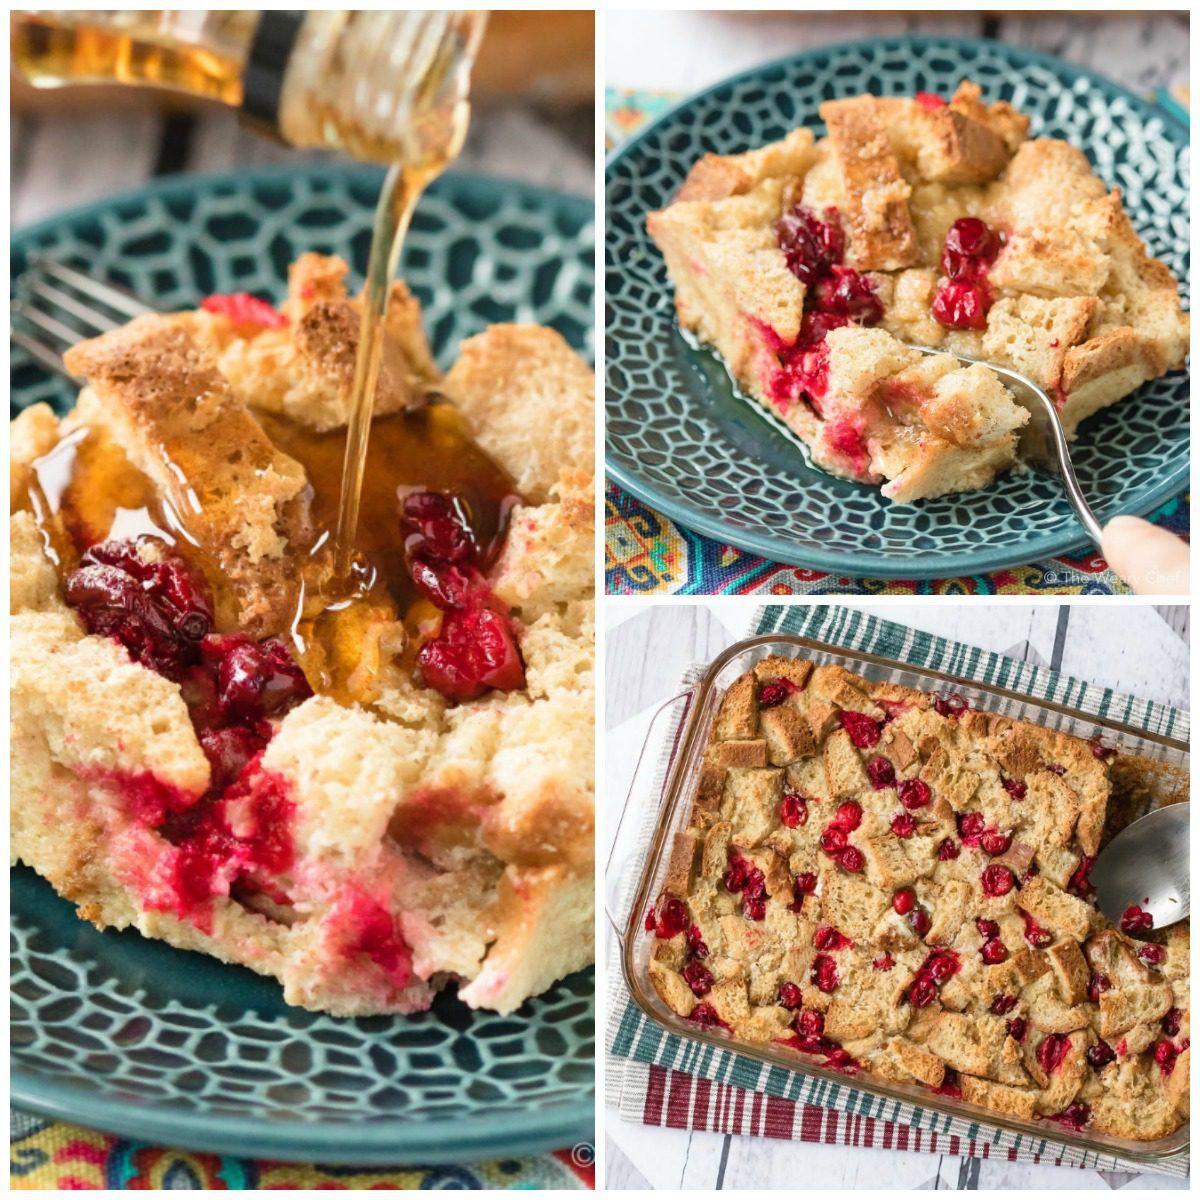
{"x": 679, "y": 438}
{"x": 128, "y": 1035}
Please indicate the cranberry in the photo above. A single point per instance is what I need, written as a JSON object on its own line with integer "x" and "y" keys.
{"x": 884, "y": 962}
{"x": 1014, "y": 788}
{"x": 436, "y": 528}
{"x": 790, "y": 996}
{"x": 914, "y": 793}
{"x": 244, "y": 309}
{"x": 446, "y": 586}
{"x": 738, "y": 872}
{"x": 1055, "y": 769}
{"x": 828, "y": 938}
{"x": 255, "y": 680}
{"x": 698, "y": 977}
{"x": 824, "y": 973}
{"x": 793, "y": 810}
{"x": 941, "y": 965}
{"x": 695, "y": 942}
{"x": 672, "y": 918}
{"x": 1100, "y": 1054}
{"x": 804, "y": 884}
{"x": 1052, "y": 1050}
{"x": 143, "y": 596}
{"x": 1017, "y": 1028}
{"x": 1135, "y": 920}
{"x": 848, "y": 816}
{"x": 846, "y": 293}
{"x": 970, "y": 828}
{"x": 810, "y": 1023}
{"x": 986, "y": 928}
{"x": 1002, "y": 1005}
{"x": 881, "y": 773}
{"x": 923, "y": 992}
{"x": 959, "y": 305}
{"x": 774, "y": 692}
{"x": 1101, "y": 751}
{"x": 904, "y": 825}
{"x": 953, "y": 706}
{"x": 811, "y": 247}
{"x": 1035, "y": 935}
{"x": 851, "y": 860}
{"x": 929, "y": 101}
{"x": 833, "y": 840}
{"x": 920, "y": 920}
{"x": 863, "y": 730}
{"x": 970, "y": 247}
{"x": 1151, "y": 953}
{"x": 1081, "y": 878}
{"x": 997, "y": 880}
{"x": 706, "y": 1017}
{"x": 650, "y": 923}
{"x": 475, "y": 651}
{"x": 949, "y": 849}
{"x": 1165, "y": 1054}
{"x": 993, "y": 842}
{"x": 904, "y": 900}
{"x": 1097, "y": 986}
{"x": 1171, "y": 1022}
{"x": 993, "y": 951}
{"x": 1076, "y": 1115}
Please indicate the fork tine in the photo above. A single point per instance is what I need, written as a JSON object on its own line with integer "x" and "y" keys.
{"x": 114, "y": 297}
{"x": 40, "y": 352}
{"x": 95, "y": 322}
{"x": 46, "y": 323}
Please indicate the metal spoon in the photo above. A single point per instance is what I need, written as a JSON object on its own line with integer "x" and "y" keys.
{"x": 1147, "y": 864}
{"x": 1043, "y": 444}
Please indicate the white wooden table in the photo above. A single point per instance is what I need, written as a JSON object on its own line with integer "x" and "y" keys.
{"x": 1138, "y": 649}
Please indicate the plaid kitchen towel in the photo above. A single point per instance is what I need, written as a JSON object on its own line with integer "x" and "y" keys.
{"x": 646, "y": 553}
{"x": 658, "y": 1078}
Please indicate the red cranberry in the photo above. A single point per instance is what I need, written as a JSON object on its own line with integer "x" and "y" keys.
{"x": 994, "y": 951}
{"x": 650, "y": 922}
{"x": 1014, "y": 788}
{"x": 672, "y": 918}
{"x": 1097, "y": 985}
{"x": 790, "y": 996}
{"x": 1002, "y": 1005}
{"x": 846, "y": 293}
{"x": 828, "y": 938}
{"x": 970, "y": 827}
{"x": 1076, "y": 1115}
{"x": 885, "y": 962}
{"x": 145, "y": 597}
{"x": 695, "y": 942}
{"x": 738, "y": 872}
{"x": 1151, "y": 953}
{"x": 1081, "y": 878}
{"x": 1035, "y": 935}
{"x": 881, "y": 773}
{"x": 824, "y": 973}
{"x": 986, "y": 928}
{"x": 1055, "y": 769}
{"x": 1100, "y": 1054}
{"x": 863, "y": 730}
{"x": 1171, "y": 1022}
{"x": 774, "y": 692}
{"x": 993, "y": 842}
{"x": 848, "y": 816}
{"x": 923, "y": 992}
{"x": 959, "y": 305}
{"x": 1052, "y": 1050}
{"x": 244, "y": 309}
{"x": 476, "y": 651}
{"x": 810, "y": 1023}
{"x": 920, "y": 920}
{"x": 914, "y": 793}
{"x": 941, "y": 965}
{"x": 793, "y": 810}
{"x": 929, "y": 101}
{"x": 698, "y": 977}
{"x": 953, "y": 706}
{"x": 1165, "y": 1055}
{"x": 997, "y": 880}
{"x": 851, "y": 860}
{"x": 436, "y": 528}
{"x": 833, "y": 840}
{"x": 804, "y": 884}
{"x": 903, "y": 900}
{"x": 811, "y": 246}
{"x": 255, "y": 680}
{"x": 754, "y": 908}
{"x": 1135, "y": 920}
{"x": 969, "y": 249}
{"x": 1017, "y": 1028}
{"x": 904, "y": 825}
{"x": 706, "y": 1017}
{"x": 1101, "y": 751}
{"x": 949, "y": 849}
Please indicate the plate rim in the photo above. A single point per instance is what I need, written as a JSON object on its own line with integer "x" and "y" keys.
{"x": 386, "y": 1142}
{"x": 964, "y": 563}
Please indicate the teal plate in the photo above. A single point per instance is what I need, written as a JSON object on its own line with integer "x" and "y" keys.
{"x": 680, "y": 439}
{"x": 117, "y": 1032}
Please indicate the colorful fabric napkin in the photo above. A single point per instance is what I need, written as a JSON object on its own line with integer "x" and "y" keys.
{"x": 646, "y": 553}
{"x": 51, "y": 1156}
{"x": 657, "y": 1078}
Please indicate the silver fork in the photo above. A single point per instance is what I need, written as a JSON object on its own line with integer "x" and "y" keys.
{"x": 55, "y": 306}
{"x": 1043, "y": 443}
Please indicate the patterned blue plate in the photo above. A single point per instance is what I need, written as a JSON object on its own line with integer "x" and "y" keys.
{"x": 679, "y": 438}
{"x": 134, "y": 1037}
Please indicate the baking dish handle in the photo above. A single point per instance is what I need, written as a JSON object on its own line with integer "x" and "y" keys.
{"x": 615, "y": 877}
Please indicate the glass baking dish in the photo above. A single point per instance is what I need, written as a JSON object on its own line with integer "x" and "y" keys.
{"x": 1161, "y": 765}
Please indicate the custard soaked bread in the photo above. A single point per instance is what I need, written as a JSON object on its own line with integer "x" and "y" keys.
{"x": 944, "y": 225}
{"x": 368, "y": 795}
{"x": 897, "y": 885}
